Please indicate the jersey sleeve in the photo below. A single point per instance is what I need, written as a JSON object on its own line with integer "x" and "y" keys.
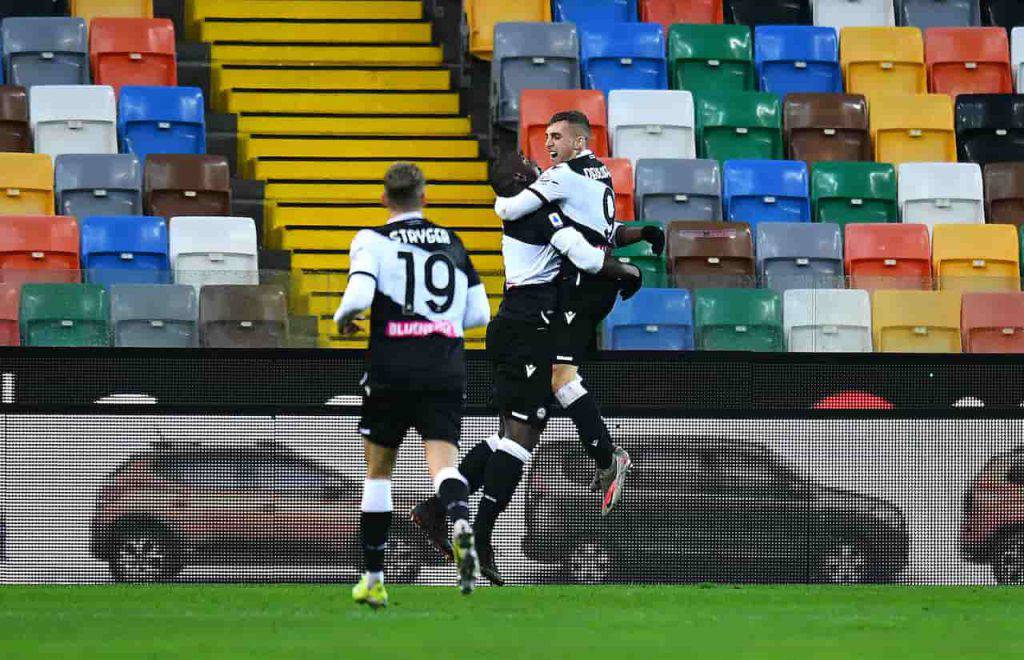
{"x": 363, "y": 260}
{"x": 552, "y": 185}
{"x": 571, "y": 244}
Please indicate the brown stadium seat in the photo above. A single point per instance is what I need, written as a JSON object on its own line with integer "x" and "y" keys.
{"x": 15, "y": 134}
{"x": 187, "y": 184}
{"x": 243, "y": 316}
{"x": 827, "y": 127}
{"x": 1004, "y": 193}
{"x": 710, "y": 255}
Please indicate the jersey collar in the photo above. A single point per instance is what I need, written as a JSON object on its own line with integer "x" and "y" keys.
{"x": 583, "y": 154}
{"x": 408, "y": 215}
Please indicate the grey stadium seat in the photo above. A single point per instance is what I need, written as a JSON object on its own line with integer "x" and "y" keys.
{"x": 678, "y": 189}
{"x": 926, "y": 14}
{"x": 799, "y": 255}
{"x": 45, "y": 51}
{"x": 154, "y": 315}
{"x": 98, "y": 184}
{"x": 531, "y": 56}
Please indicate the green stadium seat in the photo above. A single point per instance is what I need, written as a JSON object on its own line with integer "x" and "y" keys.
{"x": 741, "y": 125}
{"x": 846, "y": 192}
{"x": 711, "y": 58}
{"x": 738, "y": 320}
{"x": 64, "y": 315}
{"x": 639, "y": 254}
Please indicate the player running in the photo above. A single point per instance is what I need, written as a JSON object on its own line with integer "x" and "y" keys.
{"x": 423, "y": 292}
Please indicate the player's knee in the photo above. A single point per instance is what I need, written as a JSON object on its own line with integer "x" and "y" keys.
{"x": 562, "y": 375}
{"x": 570, "y": 392}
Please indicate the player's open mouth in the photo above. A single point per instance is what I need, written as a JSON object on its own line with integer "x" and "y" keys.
{"x": 554, "y": 154}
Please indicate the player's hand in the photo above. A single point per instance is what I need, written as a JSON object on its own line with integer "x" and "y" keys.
{"x": 631, "y": 282}
{"x": 656, "y": 237}
{"x": 349, "y": 329}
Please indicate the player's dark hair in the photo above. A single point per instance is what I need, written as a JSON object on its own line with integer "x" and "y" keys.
{"x": 404, "y": 184}
{"x": 574, "y": 118}
{"x": 511, "y": 174}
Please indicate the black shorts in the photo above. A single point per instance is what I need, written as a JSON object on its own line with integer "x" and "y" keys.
{"x": 388, "y": 414}
{"x": 581, "y": 309}
{"x": 520, "y": 355}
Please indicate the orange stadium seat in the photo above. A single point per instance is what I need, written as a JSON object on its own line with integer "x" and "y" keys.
{"x": 968, "y": 60}
{"x": 481, "y": 15}
{"x": 38, "y": 249}
{"x": 888, "y": 256}
{"x": 132, "y": 51}
{"x": 536, "y": 107}
{"x": 10, "y": 296}
{"x": 669, "y": 12}
{"x": 622, "y": 181}
{"x": 992, "y": 322}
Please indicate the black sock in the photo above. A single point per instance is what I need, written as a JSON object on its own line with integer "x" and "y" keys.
{"x": 474, "y": 465}
{"x": 454, "y": 495}
{"x": 501, "y": 479}
{"x": 592, "y": 431}
{"x": 374, "y": 526}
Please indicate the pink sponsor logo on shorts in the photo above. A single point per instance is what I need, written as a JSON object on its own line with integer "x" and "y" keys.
{"x": 401, "y": 329}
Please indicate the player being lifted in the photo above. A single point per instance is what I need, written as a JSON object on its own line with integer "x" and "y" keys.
{"x": 423, "y": 292}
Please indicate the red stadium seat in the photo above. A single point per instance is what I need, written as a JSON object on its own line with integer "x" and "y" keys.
{"x": 537, "y": 106}
{"x": 10, "y": 295}
{"x": 37, "y": 248}
{"x": 132, "y": 51}
{"x": 888, "y": 256}
{"x": 971, "y": 60}
{"x": 622, "y": 180}
{"x": 993, "y": 322}
{"x": 668, "y": 12}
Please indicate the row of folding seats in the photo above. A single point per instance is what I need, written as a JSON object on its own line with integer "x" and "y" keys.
{"x": 818, "y": 321}
{"x": 106, "y": 250}
{"x": 83, "y": 185}
{"x": 143, "y": 315}
{"x": 110, "y": 51}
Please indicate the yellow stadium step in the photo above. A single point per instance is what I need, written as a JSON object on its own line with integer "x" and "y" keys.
{"x": 280, "y": 214}
{"x": 218, "y": 30}
{"x": 428, "y": 56}
{"x": 316, "y": 101}
{"x": 317, "y": 146}
{"x": 291, "y": 190}
{"x": 196, "y": 10}
{"x": 228, "y": 76}
{"x": 329, "y": 238}
{"x": 298, "y": 124}
{"x": 364, "y": 170}
{"x": 314, "y": 260}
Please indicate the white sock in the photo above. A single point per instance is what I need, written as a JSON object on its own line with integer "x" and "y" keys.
{"x": 373, "y": 577}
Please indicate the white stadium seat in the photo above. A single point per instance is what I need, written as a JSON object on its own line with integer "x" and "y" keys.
{"x": 73, "y": 119}
{"x": 213, "y": 250}
{"x": 941, "y": 194}
{"x": 827, "y": 320}
{"x": 1017, "y": 57}
{"x": 853, "y": 13}
{"x": 651, "y": 124}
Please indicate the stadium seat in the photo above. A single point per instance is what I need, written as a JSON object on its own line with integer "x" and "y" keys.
{"x": 33, "y": 8}
{"x": 482, "y": 15}
{"x": 652, "y": 320}
{"x": 738, "y": 320}
{"x": 26, "y": 182}
{"x": 98, "y": 184}
{"x": 186, "y": 184}
{"x": 888, "y": 256}
{"x": 797, "y": 58}
{"x": 992, "y": 322}
{"x": 758, "y": 191}
{"x": 710, "y": 254}
{"x": 941, "y": 193}
{"x": 827, "y": 320}
{"x": 990, "y": 128}
{"x": 45, "y": 51}
{"x": 841, "y": 14}
{"x": 10, "y": 299}
{"x": 535, "y": 56}
{"x": 1004, "y": 193}
{"x": 623, "y": 56}
{"x": 972, "y": 60}
{"x": 132, "y": 51}
{"x": 767, "y": 12}
{"x": 1017, "y": 57}
{"x": 670, "y": 189}
{"x": 640, "y": 255}
{"x": 154, "y": 315}
{"x": 844, "y": 193}
{"x": 671, "y": 12}
{"x": 73, "y": 119}
{"x": 1004, "y": 13}
{"x": 913, "y": 128}
{"x": 90, "y": 9}
{"x": 213, "y": 250}
{"x": 621, "y": 170}
{"x": 916, "y": 321}
{"x": 883, "y": 60}
{"x": 538, "y": 106}
{"x": 711, "y": 58}
{"x": 976, "y": 257}
{"x": 823, "y": 127}
{"x": 15, "y": 130}
{"x": 38, "y": 249}
{"x": 125, "y": 249}
{"x": 741, "y": 125}
{"x": 924, "y": 14}
{"x": 162, "y": 120}
{"x": 597, "y": 11}
{"x": 64, "y": 315}
{"x": 233, "y": 316}
{"x": 799, "y": 255}
{"x": 651, "y": 124}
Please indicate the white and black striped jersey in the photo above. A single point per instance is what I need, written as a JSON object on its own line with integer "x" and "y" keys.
{"x": 582, "y": 190}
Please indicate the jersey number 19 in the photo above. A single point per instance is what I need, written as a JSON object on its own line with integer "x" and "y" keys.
{"x": 446, "y": 292}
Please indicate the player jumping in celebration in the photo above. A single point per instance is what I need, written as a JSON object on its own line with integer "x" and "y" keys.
{"x": 423, "y": 292}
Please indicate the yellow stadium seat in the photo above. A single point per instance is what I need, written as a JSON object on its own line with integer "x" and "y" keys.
{"x": 976, "y": 257}
{"x": 913, "y": 128}
{"x": 883, "y": 60}
{"x": 916, "y": 321}
{"x": 481, "y": 15}
{"x": 26, "y": 184}
{"x": 90, "y": 9}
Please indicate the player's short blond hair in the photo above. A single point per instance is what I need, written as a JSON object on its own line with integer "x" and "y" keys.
{"x": 404, "y": 184}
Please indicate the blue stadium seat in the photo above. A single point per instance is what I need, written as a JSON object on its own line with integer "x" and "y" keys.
{"x": 756, "y": 191}
{"x": 598, "y": 11}
{"x": 797, "y": 58}
{"x": 98, "y": 184}
{"x": 623, "y": 56}
{"x": 161, "y": 120}
{"x": 652, "y": 320}
{"x": 45, "y": 51}
{"x": 127, "y": 249}
{"x": 800, "y": 255}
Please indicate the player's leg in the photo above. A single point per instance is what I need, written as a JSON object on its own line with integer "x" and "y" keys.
{"x": 452, "y": 495}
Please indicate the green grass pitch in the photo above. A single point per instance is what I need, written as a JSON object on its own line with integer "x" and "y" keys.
{"x": 622, "y": 622}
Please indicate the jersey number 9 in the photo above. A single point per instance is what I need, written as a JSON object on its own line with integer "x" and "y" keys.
{"x": 446, "y": 292}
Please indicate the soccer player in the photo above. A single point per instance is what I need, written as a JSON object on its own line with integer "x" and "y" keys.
{"x": 519, "y": 347}
{"x": 423, "y": 292}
